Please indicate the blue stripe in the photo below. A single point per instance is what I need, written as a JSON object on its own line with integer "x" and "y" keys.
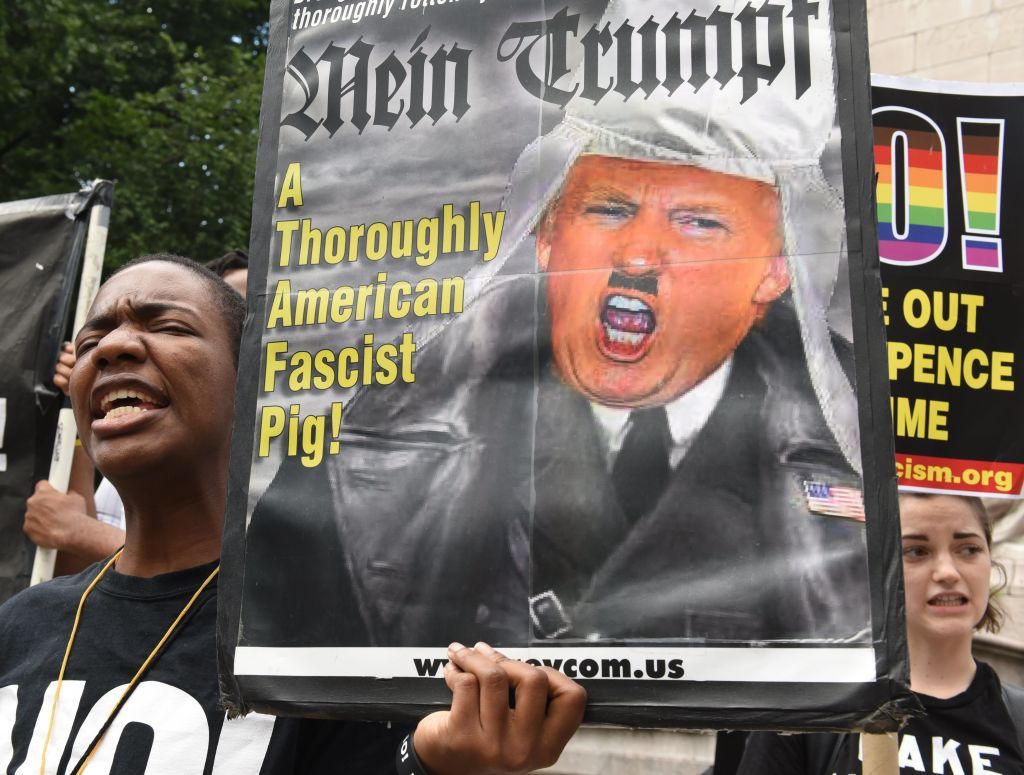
{"x": 982, "y": 245}
{"x": 931, "y": 235}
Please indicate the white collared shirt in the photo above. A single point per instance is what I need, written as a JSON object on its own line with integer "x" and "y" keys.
{"x": 686, "y": 416}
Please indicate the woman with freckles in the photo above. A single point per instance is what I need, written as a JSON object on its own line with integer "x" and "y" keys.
{"x": 972, "y": 723}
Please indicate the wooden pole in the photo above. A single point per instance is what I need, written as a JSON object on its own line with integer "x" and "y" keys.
{"x": 881, "y": 754}
{"x": 64, "y": 443}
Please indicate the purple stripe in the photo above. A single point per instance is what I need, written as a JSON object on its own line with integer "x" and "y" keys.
{"x": 905, "y": 251}
{"x": 987, "y": 256}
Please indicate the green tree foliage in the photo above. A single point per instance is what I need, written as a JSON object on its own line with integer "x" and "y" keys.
{"x": 161, "y": 96}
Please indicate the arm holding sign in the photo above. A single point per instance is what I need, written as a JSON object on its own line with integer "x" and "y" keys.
{"x": 67, "y": 522}
{"x": 55, "y": 520}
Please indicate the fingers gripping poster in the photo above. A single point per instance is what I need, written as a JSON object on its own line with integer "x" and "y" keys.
{"x": 949, "y": 170}
{"x": 562, "y": 344}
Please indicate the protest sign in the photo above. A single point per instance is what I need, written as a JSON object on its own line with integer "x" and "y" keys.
{"x": 546, "y": 352}
{"x": 41, "y": 243}
{"x": 948, "y": 173}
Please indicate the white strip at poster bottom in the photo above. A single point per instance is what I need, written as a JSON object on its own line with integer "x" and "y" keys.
{"x": 765, "y": 665}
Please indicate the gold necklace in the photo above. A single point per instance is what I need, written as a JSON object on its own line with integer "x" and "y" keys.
{"x": 138, "y": 674}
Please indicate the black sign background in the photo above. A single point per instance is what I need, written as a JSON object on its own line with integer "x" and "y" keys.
{"x": 985, "y": 427}
{"x": 41, "y": 243}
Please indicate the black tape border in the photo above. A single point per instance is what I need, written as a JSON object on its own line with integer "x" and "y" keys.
{"x": 877, "y": 451}
{"x": 233, "y": 552}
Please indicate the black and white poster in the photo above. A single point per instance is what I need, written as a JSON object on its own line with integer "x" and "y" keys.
{"x": 950, "y": 168}
{"x": 563, "y": 339}
{"x": 41, "y": 243}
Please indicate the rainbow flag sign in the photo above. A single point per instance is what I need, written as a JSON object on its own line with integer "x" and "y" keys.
{"x": 947, "y": 172}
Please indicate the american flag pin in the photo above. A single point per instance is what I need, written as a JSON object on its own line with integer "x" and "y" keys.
{"x": 833, "y": 500}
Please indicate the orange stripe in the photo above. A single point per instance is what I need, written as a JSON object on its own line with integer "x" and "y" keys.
{"x": 982, "y": 184}
{"x": 919, "y": 176}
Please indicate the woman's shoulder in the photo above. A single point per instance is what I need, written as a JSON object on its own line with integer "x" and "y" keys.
{"x": 773, "y": 753}
{"x": 1013, "y": 699}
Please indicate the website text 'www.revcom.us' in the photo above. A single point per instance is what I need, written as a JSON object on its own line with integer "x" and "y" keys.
{"x": 669, "y": 669}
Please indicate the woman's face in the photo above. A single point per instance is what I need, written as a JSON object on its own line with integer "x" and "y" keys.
{"x": 946, "y": 567}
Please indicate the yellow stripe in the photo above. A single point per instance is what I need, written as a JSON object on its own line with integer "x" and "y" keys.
{"x": 920, "y": 196}
{"x": 927, "y": 197}
{"x": 981, "y": 203}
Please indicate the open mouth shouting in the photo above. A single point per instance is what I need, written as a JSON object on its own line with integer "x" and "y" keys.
{"x": 627, "y": 321}
{"x": 948, "y": 601}
{"x": 122, "y": 405}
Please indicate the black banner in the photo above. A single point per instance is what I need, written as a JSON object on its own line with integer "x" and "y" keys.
{"x": 563, "y": 343}
{"x": 41, "y": 243}
{"x": 949, "y": 170}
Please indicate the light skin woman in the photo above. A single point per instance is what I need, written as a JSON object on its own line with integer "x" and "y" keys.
{"x": 967, "y": 723}
{"x": 947, "y": 569}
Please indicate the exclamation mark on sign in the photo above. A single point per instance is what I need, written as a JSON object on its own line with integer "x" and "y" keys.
{"x": 981, "y": 168}
{"x": 3, "y": 425}
{"x": 336, "y": 409}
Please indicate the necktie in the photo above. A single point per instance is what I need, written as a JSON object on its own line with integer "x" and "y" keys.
{"x": 641, "y": 468}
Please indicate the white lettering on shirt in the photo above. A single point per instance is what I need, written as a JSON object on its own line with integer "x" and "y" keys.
{"x": 8, "y": 705}
{"x": 181, "y": 733}
{"x": 243, "y": 744}
{"x": 978, "y": 764}
{"x": 67, "y": 709}
{"x": 910, "y": 754}
{"x": 945, "y": 753}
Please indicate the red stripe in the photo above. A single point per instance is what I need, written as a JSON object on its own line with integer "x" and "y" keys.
{"x": 925, "y": 159}
{"x": 930, "y": 159}
{"x": 981, "y": 165}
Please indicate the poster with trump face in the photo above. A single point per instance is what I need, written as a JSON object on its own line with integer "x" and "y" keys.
{"x": 561, "y": 342}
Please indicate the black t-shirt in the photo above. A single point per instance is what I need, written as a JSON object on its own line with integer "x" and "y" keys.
{"x": 173, "y": 723}
{"x": 968, "y": 734}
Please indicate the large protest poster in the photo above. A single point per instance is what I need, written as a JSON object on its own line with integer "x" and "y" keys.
{"x": 949, "y": 172}
{"x": 560, "y": 339}
{"x": 41, "y": 244}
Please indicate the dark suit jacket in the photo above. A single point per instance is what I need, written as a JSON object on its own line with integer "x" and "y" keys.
{"x": 459, "y": 498}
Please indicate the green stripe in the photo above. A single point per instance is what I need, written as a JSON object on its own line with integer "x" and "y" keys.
{"x": 919, "y": 216}
{"x": 982, "y": 220}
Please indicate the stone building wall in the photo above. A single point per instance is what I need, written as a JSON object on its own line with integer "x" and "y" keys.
{"x": 956, "y": 40}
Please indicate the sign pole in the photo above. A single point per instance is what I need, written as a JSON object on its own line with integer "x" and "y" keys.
{"x": 64, "y": 442}
{"x": 881, "y": 755}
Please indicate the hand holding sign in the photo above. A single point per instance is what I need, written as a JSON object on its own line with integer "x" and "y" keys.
{"x": 482, "y": 733}
{"x": 65, "y": 363}
{"x": 52, "y": 517}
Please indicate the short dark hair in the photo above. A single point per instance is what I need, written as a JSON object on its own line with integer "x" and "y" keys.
{"x": 229, "y": 304}
{"x": 229, "y": 262}
{"x": 992, "y": 619}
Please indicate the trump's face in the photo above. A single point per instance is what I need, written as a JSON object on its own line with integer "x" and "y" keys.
{"x": 656, "y": 272}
